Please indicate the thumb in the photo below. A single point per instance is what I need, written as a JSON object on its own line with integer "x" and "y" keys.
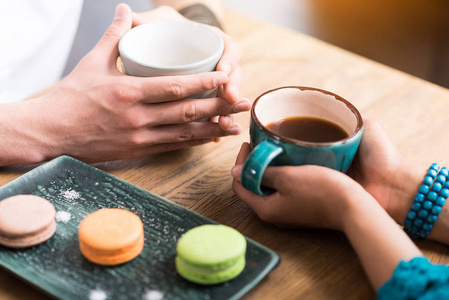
{"x": 271, "y": 177}
{"x": 120, "y": 25}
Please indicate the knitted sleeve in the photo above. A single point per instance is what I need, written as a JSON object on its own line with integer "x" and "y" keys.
{"x": 417, "y": 279}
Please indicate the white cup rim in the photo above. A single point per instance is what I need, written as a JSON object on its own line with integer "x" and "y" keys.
{"x": 215, "y": 56}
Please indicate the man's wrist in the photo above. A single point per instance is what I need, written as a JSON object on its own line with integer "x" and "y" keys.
{"x": 19, "y": 127}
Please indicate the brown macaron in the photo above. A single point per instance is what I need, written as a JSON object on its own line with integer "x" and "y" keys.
{"x": 25, "y": 221}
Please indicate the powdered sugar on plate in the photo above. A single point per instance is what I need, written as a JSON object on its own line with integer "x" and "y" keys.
{"x": 63, "y": 216}
{"x": 70, "y": 194}
{"x": 97, "y": 294}
{"x": 153, "y": 295}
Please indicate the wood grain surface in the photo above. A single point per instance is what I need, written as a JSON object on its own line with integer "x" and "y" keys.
{"x": 316, "y": 264}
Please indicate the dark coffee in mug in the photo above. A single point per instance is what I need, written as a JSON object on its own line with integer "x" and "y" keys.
{"x": 308, "y": 129}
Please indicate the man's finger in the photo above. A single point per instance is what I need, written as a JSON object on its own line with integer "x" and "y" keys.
{"x": 108, "y": 44}
{"x": 231, "y": 55}
{"x": 176, "y": 146}
{"x": 185, "y": 132}
{"x": 231, "y": 90}
{"x": 190, "y": 110}
{"x": 168, "y": 88}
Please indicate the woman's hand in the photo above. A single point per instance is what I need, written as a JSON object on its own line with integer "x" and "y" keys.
{"x": 305, "y": 196}
{"x": 385, "y": 173}
{"x": 314, "y": 196}
{"x": 382, "y": 171}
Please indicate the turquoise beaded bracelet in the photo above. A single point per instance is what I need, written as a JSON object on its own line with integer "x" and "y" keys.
{"x": 428, "y": 202}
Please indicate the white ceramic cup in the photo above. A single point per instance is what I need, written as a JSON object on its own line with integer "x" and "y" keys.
{"x": 167, "y": 48}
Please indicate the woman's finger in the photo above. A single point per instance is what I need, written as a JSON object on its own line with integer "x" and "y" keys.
{"x": 245, "y": 149}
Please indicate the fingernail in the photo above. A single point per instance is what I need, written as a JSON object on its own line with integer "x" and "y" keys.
{"x": 120, "y": 11}
{"x": 220, "y": 78}
{"x": 227, "y": 122}
{"x": 236, "y": 171}
{"x": 242, "y": 106}
{"x": 234, "y": 130}
{"x": 233, "y": 93}
{"x": 226, "y": 68}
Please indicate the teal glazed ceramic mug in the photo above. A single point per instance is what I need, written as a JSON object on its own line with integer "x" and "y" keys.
{"x": 304, "y": 105}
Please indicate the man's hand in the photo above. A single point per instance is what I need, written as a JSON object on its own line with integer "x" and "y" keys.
{"x": 98, "y": 113}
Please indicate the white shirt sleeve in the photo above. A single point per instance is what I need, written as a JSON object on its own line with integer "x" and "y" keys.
{"x": 35, "y": 41}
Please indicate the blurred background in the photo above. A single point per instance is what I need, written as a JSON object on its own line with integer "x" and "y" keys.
{"x": 409, "y": 35}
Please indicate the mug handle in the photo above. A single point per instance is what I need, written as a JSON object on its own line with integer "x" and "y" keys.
{"x": 255, "y": 165}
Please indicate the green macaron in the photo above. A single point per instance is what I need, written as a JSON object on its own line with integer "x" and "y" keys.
{"x": 211, "y": 254}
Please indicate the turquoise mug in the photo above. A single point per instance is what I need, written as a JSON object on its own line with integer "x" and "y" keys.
{"x": 272, "y": 148}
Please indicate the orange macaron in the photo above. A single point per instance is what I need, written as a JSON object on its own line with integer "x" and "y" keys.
{"x": 111, "y": 236}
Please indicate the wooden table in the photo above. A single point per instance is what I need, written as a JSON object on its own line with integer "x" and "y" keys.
{"x": 316, "y": 264}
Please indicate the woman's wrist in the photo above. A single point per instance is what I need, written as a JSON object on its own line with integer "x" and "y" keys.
{"x": 403, "y": 189}
{"x": 376, "y": 238}
{"x": 428, "y": 212}
{"x": 354, "y": 199}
